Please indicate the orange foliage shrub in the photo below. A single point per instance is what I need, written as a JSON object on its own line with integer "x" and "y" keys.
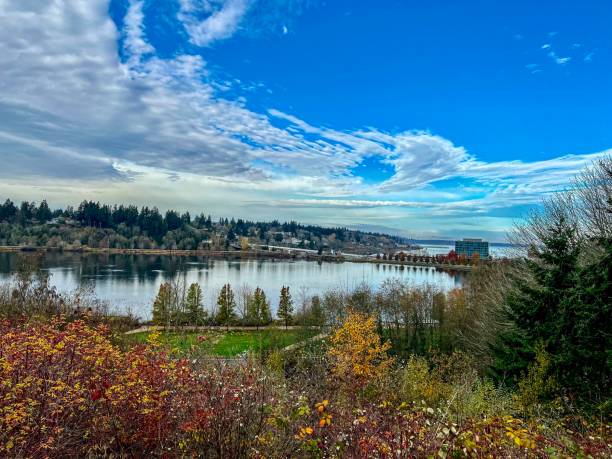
{"x": 358, "y": 354}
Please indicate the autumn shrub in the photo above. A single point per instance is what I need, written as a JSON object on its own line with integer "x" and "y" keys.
{"x": 403, "y": 430}
{"x": 451, "y": 383}
{"x": 384, "y": 429}
{"x": 65, "y": 390}
{"x": 359, "y": 357}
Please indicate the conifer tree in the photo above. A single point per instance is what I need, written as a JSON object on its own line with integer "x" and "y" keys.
{"x": 581, "y": 357}
{"x": 263, "y": 306}
{"x": 227, "y": 304}
{"x": 195, "y": 311}
{"x": 258, "y": 309}
{"x": 535, "y": 307}
{"x": 252, "y": 310}
{"x": 285, "y": 306}
{"x": 163, "y": 304}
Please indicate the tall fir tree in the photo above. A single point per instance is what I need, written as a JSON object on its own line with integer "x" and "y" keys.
{"x": 263, "y": 307}
{"x": 163, "y": 305}
{"x": 195, "y": 310}
{"x": 535, "y": 307}
{"x": 251, "y": 316}
{"x": 258, "y": 309}
{"x": 226, "y": 314}
{"x": 285, "y": 306}
{"x": 582, "y": 352}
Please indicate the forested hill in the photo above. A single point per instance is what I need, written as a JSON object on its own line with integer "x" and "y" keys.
{"x": 98, "y": 225}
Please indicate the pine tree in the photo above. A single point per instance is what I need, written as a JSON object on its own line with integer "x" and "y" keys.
{"x": 195, "y": 311}
{"x": 535, "y": 308}
{"x": 163, "y": 305}
{"x": 258, "y": 309}
{"x": 227, "y": 304}
{"x": 263, "y": 306}
{"x": 252, "y": 310}
{"x": 285, "y": 306}
{"x": 581, "y": 358}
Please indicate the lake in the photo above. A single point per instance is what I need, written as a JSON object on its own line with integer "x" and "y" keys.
{"x": 130, "y": 282}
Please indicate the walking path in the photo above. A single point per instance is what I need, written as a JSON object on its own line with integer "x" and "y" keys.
{"x": 195, "y": 328}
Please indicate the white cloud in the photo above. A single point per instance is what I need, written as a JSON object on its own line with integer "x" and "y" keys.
{"x": 222, "y": 19}
{"x": 558, "y": 59}
{"x": 546, "y": 46}
{"x": 135, "y": 44}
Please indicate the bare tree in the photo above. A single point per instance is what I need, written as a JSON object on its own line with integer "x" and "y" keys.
{"x": 592, "y": 192}
{"x": 245, "y": 294}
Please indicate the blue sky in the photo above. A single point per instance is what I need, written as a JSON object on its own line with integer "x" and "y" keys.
{"x": 430, "y": 119}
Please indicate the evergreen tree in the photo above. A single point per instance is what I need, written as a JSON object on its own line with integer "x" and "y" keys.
{"x": 8, "y": 211}
{"x": 227, "y": 304}
{"x": 163, "y": 305}
{"x": 258, "y": 309}
{"x": 535, "y": 308}
{"x": 43, "y": 213}
{"x": 252, "y": 310}
{"x": 285, "y": 306}
{"x": 263, "y": 307}
{"x": 195, "y": 311}
{"x": 581, "y": 354}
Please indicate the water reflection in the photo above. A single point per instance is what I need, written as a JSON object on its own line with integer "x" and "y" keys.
{"x": 131, "y": 281}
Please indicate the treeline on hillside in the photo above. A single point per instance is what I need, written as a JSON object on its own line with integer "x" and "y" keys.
{"x": 99, "y": 225}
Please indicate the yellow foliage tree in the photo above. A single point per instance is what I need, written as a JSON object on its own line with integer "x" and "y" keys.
{"x": 357, "y": 351}
{"x": 244, "y": 244}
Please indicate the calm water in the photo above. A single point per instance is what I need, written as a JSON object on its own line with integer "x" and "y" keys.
{"x": 130, "y": 282}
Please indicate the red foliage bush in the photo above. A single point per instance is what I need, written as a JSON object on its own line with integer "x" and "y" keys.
{"x": 65, "y": 390}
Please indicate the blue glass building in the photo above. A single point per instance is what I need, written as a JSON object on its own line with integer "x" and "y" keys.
{"x": 468, "y": 247}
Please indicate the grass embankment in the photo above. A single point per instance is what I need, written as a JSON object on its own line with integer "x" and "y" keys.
{"x": 226, "y": 343}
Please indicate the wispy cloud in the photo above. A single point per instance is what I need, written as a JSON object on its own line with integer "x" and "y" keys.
{"x": 209, "y": 21}
{"x": 558, "y": 59}
{"x": 135, "y": 43}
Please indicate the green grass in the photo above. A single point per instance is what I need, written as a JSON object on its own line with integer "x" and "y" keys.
{"x": 226, "y": 344}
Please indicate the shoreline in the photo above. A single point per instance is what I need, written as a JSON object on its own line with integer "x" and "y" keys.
{"x": 228, "y": 254}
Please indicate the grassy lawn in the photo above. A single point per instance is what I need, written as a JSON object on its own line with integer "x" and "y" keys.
{"x": 227, "y": 344}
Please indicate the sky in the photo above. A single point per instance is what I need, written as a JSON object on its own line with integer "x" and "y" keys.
{"x": 437, "y": 119}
